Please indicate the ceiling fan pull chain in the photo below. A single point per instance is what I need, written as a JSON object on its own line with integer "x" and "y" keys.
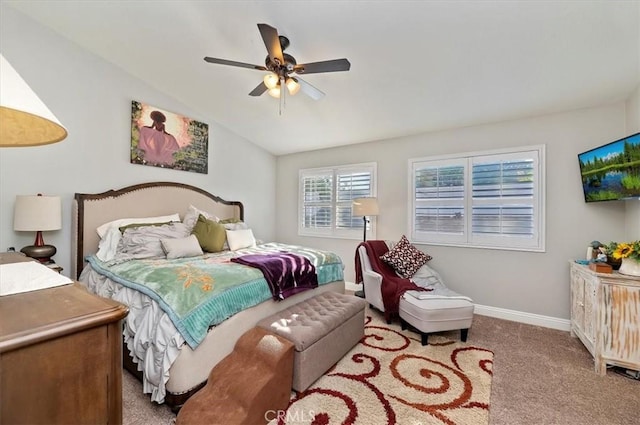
{"x": 283, "y": 89}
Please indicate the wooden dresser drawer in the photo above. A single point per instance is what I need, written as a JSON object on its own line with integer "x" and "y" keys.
{"x": 60, "y": 357}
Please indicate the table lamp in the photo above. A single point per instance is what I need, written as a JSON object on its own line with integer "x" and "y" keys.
{"x": 38, "y": 214}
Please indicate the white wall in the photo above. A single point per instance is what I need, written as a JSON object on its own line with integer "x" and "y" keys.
{"x": 92, "y": 98}
{"x": 526, "y": 282}
{"x": 632, "y": 224}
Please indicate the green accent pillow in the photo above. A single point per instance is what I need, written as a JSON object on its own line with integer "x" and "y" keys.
{"x": 211, "y": 235}
{"x": 136, "y": 225}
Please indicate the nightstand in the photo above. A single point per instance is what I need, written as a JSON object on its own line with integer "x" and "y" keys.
{"x": 60, "y": 356}
{"x": 55, "y": 267}
{"x": 15, "y": 257}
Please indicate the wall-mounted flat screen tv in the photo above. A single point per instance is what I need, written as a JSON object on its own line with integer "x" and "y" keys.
{"x": 612, "y": 172}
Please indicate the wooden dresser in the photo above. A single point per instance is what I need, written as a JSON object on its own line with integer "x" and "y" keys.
{"x": 60, "y": 357}
{"x": 605, "y": 315}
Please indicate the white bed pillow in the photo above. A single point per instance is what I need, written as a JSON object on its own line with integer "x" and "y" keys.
{"x": 144, "y": 242}
{"x": 191, "y": 217}
{"x": 238, "y": 239}
{"x": 236, "y": 225}
{"x": 240, "y": 225}
{"x": 108, "y": 245}
{"x": 102, "y": 230}
{"x": 181, "y": 247}
{"x": 110, "y": 233}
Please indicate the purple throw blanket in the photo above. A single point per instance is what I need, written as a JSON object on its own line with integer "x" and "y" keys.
{"x": 286, "y": 273}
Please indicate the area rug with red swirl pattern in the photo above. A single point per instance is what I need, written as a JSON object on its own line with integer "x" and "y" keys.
{"x": 390, "y": 378}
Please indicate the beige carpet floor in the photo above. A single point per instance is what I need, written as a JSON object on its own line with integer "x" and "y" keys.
{"x": 391, "y": 378}
{"x": 541, "y": 376}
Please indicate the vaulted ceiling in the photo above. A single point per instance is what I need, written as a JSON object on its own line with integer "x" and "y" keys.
{"x": 416, "y": 66}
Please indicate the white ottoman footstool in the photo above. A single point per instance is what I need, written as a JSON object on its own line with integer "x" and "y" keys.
{"x": 436, "y": 314}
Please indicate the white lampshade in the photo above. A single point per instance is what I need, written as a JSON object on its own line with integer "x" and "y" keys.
{"x": 292, "y": 86}
{"x": 274, "y": 92}
{"x": 271, "y": 80}
{"x": 24, "y": 119}
{"x": 37, "y": 213}
{"x": 365, "y": 207}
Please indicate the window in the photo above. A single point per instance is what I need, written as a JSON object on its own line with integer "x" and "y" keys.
{"x": 326, "y": 195}
{"x": 488, "y": 199}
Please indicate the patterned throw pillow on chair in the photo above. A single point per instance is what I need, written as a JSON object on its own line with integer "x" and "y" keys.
{"x": 405, "y": 258}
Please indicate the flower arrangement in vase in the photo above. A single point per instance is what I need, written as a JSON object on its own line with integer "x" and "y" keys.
{"x": 629, "y": 254}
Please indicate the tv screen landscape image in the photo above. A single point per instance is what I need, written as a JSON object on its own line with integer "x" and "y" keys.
{"x": 612, "y": 172}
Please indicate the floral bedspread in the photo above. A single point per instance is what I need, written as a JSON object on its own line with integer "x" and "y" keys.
{"x": 200, "y": 292}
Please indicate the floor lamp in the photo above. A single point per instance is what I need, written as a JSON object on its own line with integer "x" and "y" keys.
{"x": 365, "y": 207}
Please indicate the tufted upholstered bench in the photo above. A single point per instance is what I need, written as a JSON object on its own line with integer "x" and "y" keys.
{"x": 323, "y": 329}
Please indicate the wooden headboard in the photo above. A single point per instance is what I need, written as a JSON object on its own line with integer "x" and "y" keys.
{"x": 90, "y": 210}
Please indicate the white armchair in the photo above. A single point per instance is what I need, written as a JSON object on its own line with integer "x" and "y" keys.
{"x": 439, "y": 309}
{"x": 371, "y": 281}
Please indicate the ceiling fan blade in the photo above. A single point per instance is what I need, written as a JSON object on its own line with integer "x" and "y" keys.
{"x": 272, "y": 42}
{"x": 234, "y": 63}
{"x": 260, "y": 88}
{"x": 308, "y": 89}
{"x": 334, "y": 65}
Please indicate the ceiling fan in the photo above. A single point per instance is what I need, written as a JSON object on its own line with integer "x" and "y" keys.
{"x": 283, "y": 68}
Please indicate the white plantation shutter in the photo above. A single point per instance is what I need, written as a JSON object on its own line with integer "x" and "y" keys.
{"x": 351, "y": 184}
{"x": 492, "y": 200}
{"x": 317, "y": 192}
{"x": 439, "y": 199}
{"x": 503, "y": 194}
{"x": 326, "y": 199}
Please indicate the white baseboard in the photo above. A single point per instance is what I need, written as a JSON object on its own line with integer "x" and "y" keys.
{"x": 523, "y": 317}
{"x": 503, "y": 313}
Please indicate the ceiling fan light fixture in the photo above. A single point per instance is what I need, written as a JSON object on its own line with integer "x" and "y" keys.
{"x": 274, "y": 92}
{"x": 272, "y": 81}
{"x": 292, "y": 86}
{"x": 279, "y": 65}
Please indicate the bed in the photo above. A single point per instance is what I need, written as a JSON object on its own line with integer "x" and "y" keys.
{"x": 171, "y": 367}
